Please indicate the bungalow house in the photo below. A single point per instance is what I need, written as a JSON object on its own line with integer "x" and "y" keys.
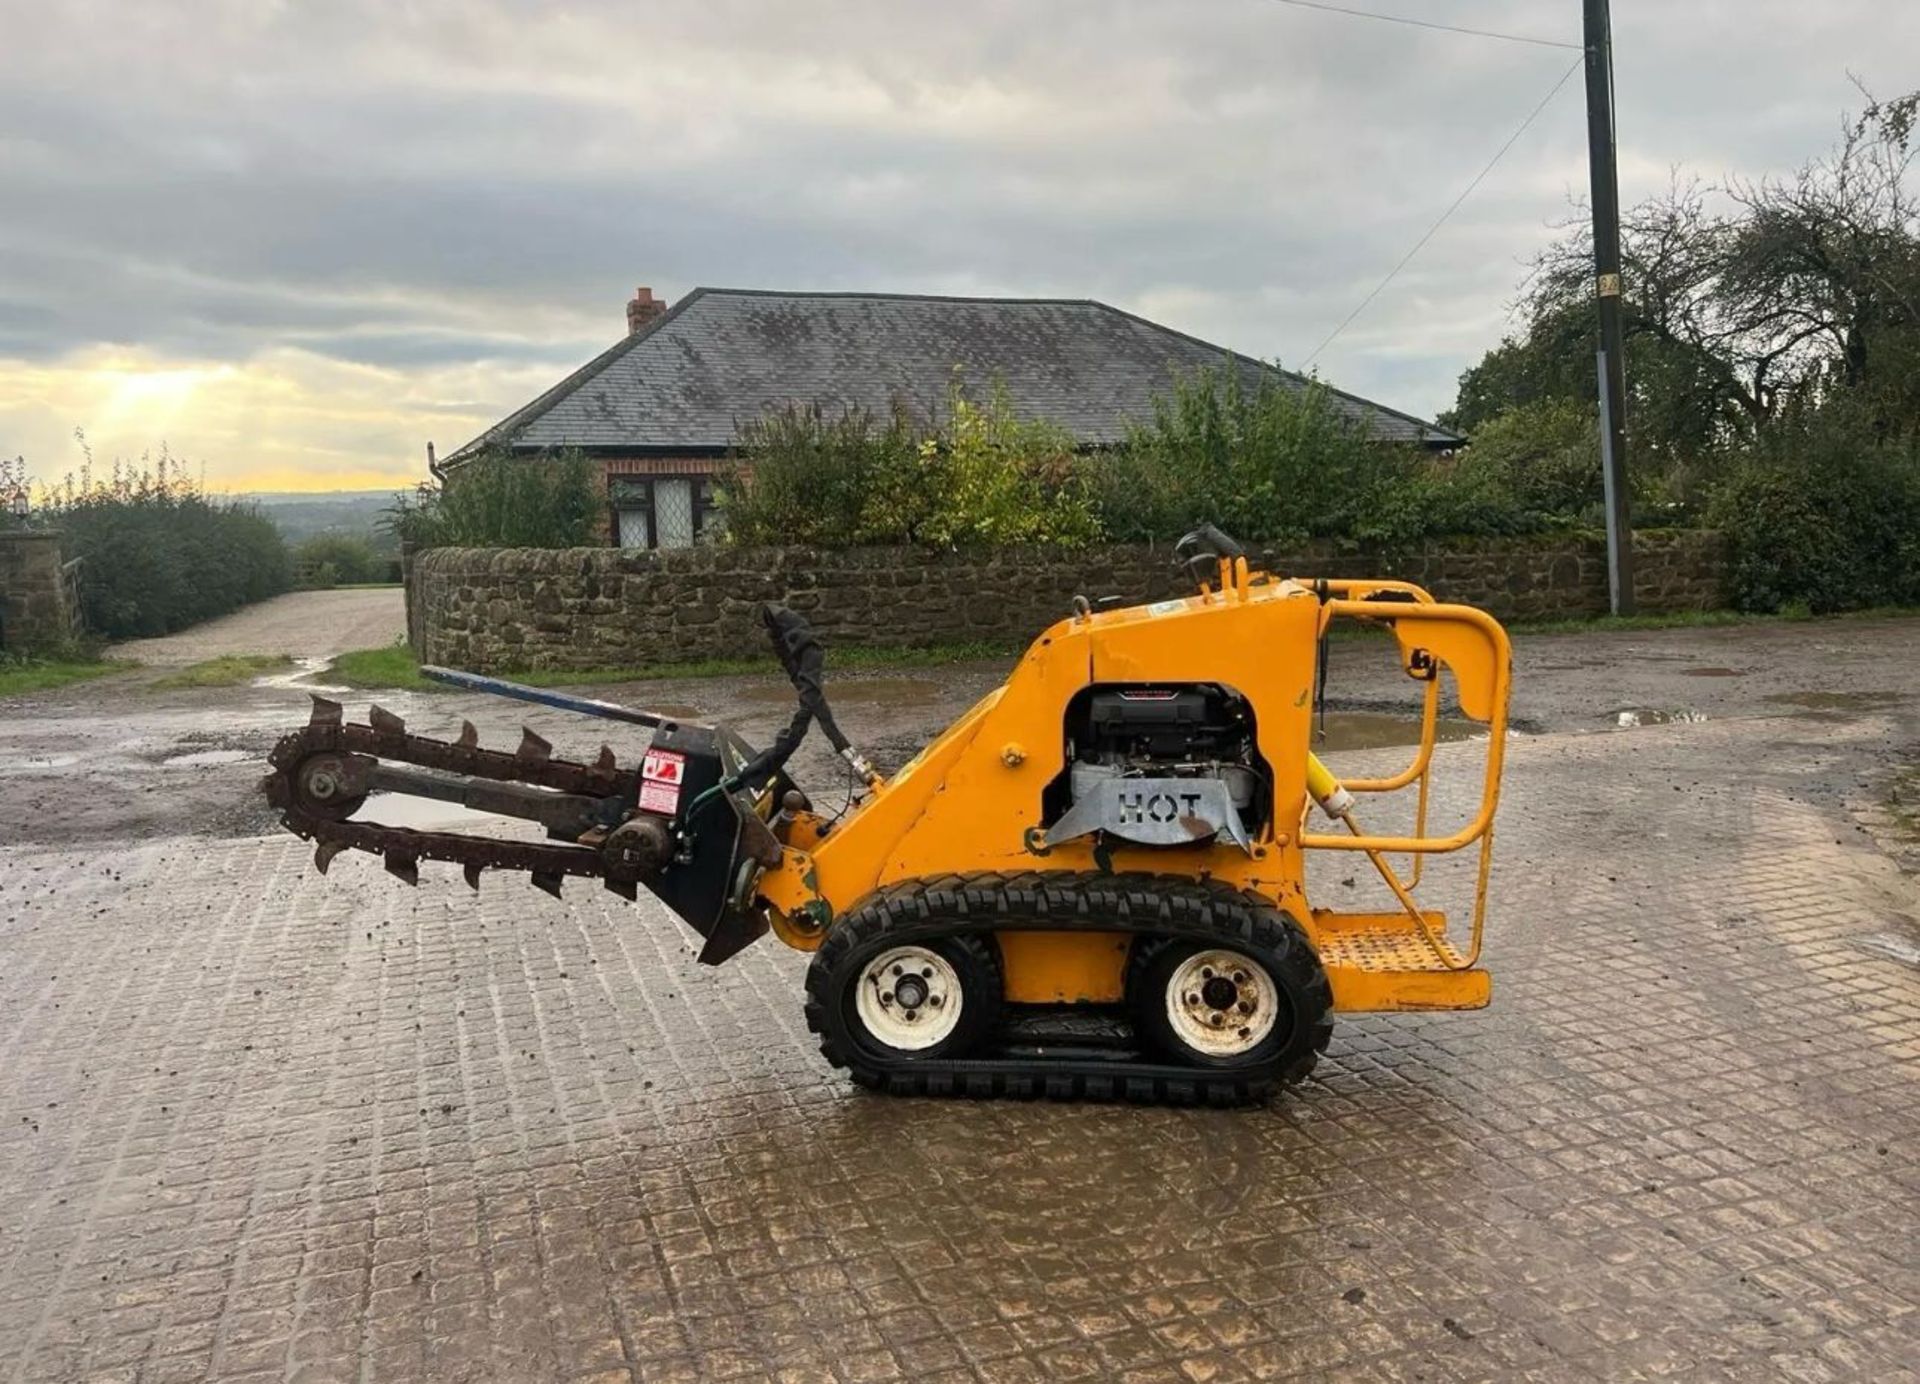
{"x": 659, "y": 410}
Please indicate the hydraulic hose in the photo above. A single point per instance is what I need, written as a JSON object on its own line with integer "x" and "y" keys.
{"x": 804, "y": 660}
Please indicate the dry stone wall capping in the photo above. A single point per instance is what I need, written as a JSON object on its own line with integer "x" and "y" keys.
{"x": 34, "y": 610}
{"x": 502, "y": 609}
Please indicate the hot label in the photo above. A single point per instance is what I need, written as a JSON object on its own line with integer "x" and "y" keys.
{"x": 1156, "y": 807}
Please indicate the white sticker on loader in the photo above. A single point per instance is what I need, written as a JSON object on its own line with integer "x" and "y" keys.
{"x": 660, "y": 775}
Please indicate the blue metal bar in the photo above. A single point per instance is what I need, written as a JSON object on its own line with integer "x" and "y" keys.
{"x": 585, "y": 706}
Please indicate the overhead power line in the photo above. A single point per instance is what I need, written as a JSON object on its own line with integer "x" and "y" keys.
{"x": 1429, "y": 24}
{"x": 1465, "y": 193}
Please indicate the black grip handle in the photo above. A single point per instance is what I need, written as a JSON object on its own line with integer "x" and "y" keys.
{"x": 1198, "y": 553}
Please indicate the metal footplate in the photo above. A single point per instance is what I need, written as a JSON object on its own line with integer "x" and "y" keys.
{"x": 1014, "y": 1062}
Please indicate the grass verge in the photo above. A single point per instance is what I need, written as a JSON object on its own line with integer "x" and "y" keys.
{"x": 1701, "y": 619}
{"x": 36, "y": 675}
{"x": 228, "y": 670}
{"x": 395, "y": 666}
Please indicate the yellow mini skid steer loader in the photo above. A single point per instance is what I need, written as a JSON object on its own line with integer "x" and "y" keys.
{"x": 1091, "y": 884}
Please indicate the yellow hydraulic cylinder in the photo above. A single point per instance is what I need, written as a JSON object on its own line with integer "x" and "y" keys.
{"x": 1327, "y": 790}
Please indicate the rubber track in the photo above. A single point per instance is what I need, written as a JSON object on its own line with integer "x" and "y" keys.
{"x": 1160, "y": 906}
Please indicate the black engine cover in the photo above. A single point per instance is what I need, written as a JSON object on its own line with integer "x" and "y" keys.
{"x": 1167, "y": 723}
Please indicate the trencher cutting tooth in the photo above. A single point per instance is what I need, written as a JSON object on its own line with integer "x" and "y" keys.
{"x": 533, "y": 749}
{"x": 469, "y": 737}
{"x": 606, "y": 760}
{"x": 625, "y": 888}
{"x": 330, "y": 737}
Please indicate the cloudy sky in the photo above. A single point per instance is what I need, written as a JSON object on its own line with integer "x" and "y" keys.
{"x": 297, "y": 241}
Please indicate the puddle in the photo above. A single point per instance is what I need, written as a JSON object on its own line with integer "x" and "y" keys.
{"x": 202, "y": 758}
{"x": 425, "y": 814}
{"x": 1376, "y": 730}
{"x": 37, "y": 763}
{"x": 858, "y": 692}
{"x": 1837, "y": 701}
{"x": 1628, "y": 717}
{"x": 1711, "y": 673}
{"x": 1892, "y": 946}
{"x": 298, "y": 675}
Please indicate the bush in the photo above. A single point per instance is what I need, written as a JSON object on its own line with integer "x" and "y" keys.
{"x": 802, "y": 476}
{"x": 1545, "y": 457}
{"x": 1275, "y": 463}
{"x": 499, "y": 500}
{"x": 978, "y": 476}
{"x": 328, "y": 560}
{"x": 1821, "y": 516}
{"x": 159, "y": 554}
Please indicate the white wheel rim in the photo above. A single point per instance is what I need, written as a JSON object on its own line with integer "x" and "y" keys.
{"x": 1221, "y": 1003}
{"x": 909, "y": 998}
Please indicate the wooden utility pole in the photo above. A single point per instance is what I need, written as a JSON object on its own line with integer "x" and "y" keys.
{"x": 1605, "y": 180}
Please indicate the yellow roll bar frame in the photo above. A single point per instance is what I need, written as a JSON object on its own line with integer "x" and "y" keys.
{"x": 1482, "y": 666}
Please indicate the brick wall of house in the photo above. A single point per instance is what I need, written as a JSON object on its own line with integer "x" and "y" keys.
{"x": 490, "y": 609}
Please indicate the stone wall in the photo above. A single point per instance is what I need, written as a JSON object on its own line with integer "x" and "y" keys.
{"x": 34, "y": 613}
{"x": 500, "y": 609}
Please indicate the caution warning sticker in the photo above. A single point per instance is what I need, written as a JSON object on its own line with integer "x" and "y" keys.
{"x": 664, "y": 766}
{"x": 661, "y": 773}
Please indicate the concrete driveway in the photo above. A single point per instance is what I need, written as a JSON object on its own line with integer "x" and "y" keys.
{"x": 300, "y": 624}
{"x": 260, "y": 1125}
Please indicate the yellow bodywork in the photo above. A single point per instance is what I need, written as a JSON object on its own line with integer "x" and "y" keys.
{"x": 971, "y": 800}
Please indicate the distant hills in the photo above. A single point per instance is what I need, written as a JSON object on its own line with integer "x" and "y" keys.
{"x": 352, "y": 513}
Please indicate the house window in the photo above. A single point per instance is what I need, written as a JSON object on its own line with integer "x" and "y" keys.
{"x": 659, "y": 511}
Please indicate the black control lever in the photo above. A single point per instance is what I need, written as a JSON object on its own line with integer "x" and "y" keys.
{"x": 1200, "y": 553}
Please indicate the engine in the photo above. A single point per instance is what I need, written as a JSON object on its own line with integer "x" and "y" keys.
{"x": 1160, "y": 765}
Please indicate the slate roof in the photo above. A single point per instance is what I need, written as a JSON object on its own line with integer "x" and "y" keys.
{"x": 722, "y": 356}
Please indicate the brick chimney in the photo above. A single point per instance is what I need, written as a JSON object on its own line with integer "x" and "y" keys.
{"x": 642, "y": 308}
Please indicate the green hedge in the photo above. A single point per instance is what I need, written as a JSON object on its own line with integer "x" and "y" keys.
{"x": 1824, "y": 520}
{"x": 1267, "y": 461}
{"x": 158, "y": 554}
{"x": 975, "y": 475}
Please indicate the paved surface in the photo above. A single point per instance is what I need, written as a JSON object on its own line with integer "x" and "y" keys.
{"x": 302, "y": 624}
{"x": 255, "y": 1124}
